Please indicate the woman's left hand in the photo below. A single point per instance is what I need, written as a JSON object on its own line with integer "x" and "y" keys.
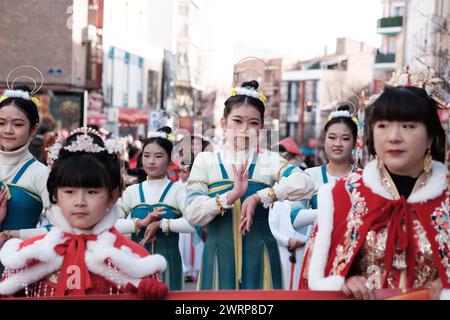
{"x": 150, "y": 233}
{"x": 247, "y": 212}
{"x": 435, "y": 289}
{"x": 3, "y": 202}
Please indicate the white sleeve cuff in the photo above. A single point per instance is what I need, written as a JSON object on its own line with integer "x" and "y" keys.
{"x": 180, "y": 225}
{"x": 265, "y": 199}
{"x": 125, "y": 226}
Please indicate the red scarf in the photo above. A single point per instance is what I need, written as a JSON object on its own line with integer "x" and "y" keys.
{"x": 74, "y": 265}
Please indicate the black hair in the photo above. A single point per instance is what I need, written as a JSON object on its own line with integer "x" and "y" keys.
{"x": 345, "y": 120}
{"x": 26, "y": 106}
{"x": 84, "y": 169}
{"x": 164, "y": 143}
{"x": 407, "y": 104}
{"x": 239, "y": 100}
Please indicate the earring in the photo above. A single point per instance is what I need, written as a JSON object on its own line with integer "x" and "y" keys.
{"x": 427, "y": 161}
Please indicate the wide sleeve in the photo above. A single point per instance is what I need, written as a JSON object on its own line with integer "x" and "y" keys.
{"x": 180, "y": 225}
{"x": 125, "y": 225}
{"x": 291, "y": 183}
{"x": 200, "y": 207}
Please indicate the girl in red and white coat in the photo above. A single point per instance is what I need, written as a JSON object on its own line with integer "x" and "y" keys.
{"x": 83, "y": 254}
{"x": 387, "y": 227}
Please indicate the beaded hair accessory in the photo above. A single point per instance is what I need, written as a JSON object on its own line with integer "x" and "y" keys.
{"x": 85, "y": 143}
{"x": 420, "y": 79}
{"x": 19, "y": 94}
{"x": 159, "y": 134}
{"x": 249, "y": 92}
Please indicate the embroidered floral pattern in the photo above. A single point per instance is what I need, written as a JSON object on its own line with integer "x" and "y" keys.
{"x": 440, "y": 221}
{"x": 354, "y": 222}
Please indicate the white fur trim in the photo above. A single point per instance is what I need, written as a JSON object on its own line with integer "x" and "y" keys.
{"x": 17, "y": 94}
{"x": 436, "y": 185}
{"x": 445, "y": 294}
{"x": 319, "y": 258}
{"x": 132, "y": 267}
{"x": 42, "y": 250}
{"x": 13, "y": 258}
{"x": 372, "y": 180}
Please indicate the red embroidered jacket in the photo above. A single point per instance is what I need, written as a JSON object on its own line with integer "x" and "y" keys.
{"x": 362, "y": 230}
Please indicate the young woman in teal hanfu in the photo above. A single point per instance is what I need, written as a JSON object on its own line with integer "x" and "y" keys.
{"x": 22, "y": 178}
{"x": 230, "y": 192}
{"x": 157, "y": 204}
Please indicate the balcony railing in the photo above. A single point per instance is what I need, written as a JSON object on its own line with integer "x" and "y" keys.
{"x": 390, "y": 22}
{"x": 385, "y": 58}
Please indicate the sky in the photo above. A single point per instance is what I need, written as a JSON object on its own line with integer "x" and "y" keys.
{"x": 302, "y": 28}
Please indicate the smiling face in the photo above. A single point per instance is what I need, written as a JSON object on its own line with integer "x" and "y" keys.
{"x": 155, "y": 161}
{"x": 242, "y": 126}
{"x": 14, "y": 128}
{"x": 339, "y": 143}
{"x": 83, "y": 208}
{"x": 401, "y": 145}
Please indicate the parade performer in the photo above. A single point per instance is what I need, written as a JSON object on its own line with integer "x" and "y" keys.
{"x": 161, "y": 200}
{"x": 22, "y": 178}
{"x": 387, "y": 227}
{"x": 230, "y": 192}
{"x": 83, "y": 254}
{"x": 290, "y": 224}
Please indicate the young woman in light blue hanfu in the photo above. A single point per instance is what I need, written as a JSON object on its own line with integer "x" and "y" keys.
{"x": 154, "y": 209}
{"x": 230, "y": 192}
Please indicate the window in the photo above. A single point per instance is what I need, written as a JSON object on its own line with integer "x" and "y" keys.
{"x": 398, "y": 11}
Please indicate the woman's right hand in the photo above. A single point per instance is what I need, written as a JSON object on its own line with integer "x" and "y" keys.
{"x": 152, "y": 216}
{"x": 356, "y": 286}
{"x": 3, "y": 201}
{"x": 240, "y": 183}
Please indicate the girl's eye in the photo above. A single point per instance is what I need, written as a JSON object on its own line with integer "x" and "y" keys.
{"x": 381, "y": 125}
{"x": 92, "y": 191}
{"x": 409, "y": 126}
{"x": 237, "y": 121}
{"x": 331, "y": 138}
{"x": 254, "y": 123}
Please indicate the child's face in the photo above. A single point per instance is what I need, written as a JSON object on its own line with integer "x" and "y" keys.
{"x": 14, "y": 128}
{"x": 242, "y": 126}
{"x": 83, "y": 208}
{"x": 155, "y": 161}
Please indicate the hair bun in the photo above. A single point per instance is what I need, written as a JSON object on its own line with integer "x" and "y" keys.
{"x": 23, "y": 88}
{"x": 253, "y": 84}
{"x": 165, "y": 129}
{"x": 344, "y": 107}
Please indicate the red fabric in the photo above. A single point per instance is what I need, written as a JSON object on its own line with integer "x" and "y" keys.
{"x": 383, "y": 212}
{"x": 152, "y": 289}
{"x": 73, "y": 250}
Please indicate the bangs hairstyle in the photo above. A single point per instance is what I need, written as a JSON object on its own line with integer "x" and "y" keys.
{"x": 84, "y": 170}
{"x": 408, "y": 104}
{"x": 164, "y": 143}
{"x": 239, "y": 100}
{"x": 345, "y": 120}
{"x": 26, "y": 106}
